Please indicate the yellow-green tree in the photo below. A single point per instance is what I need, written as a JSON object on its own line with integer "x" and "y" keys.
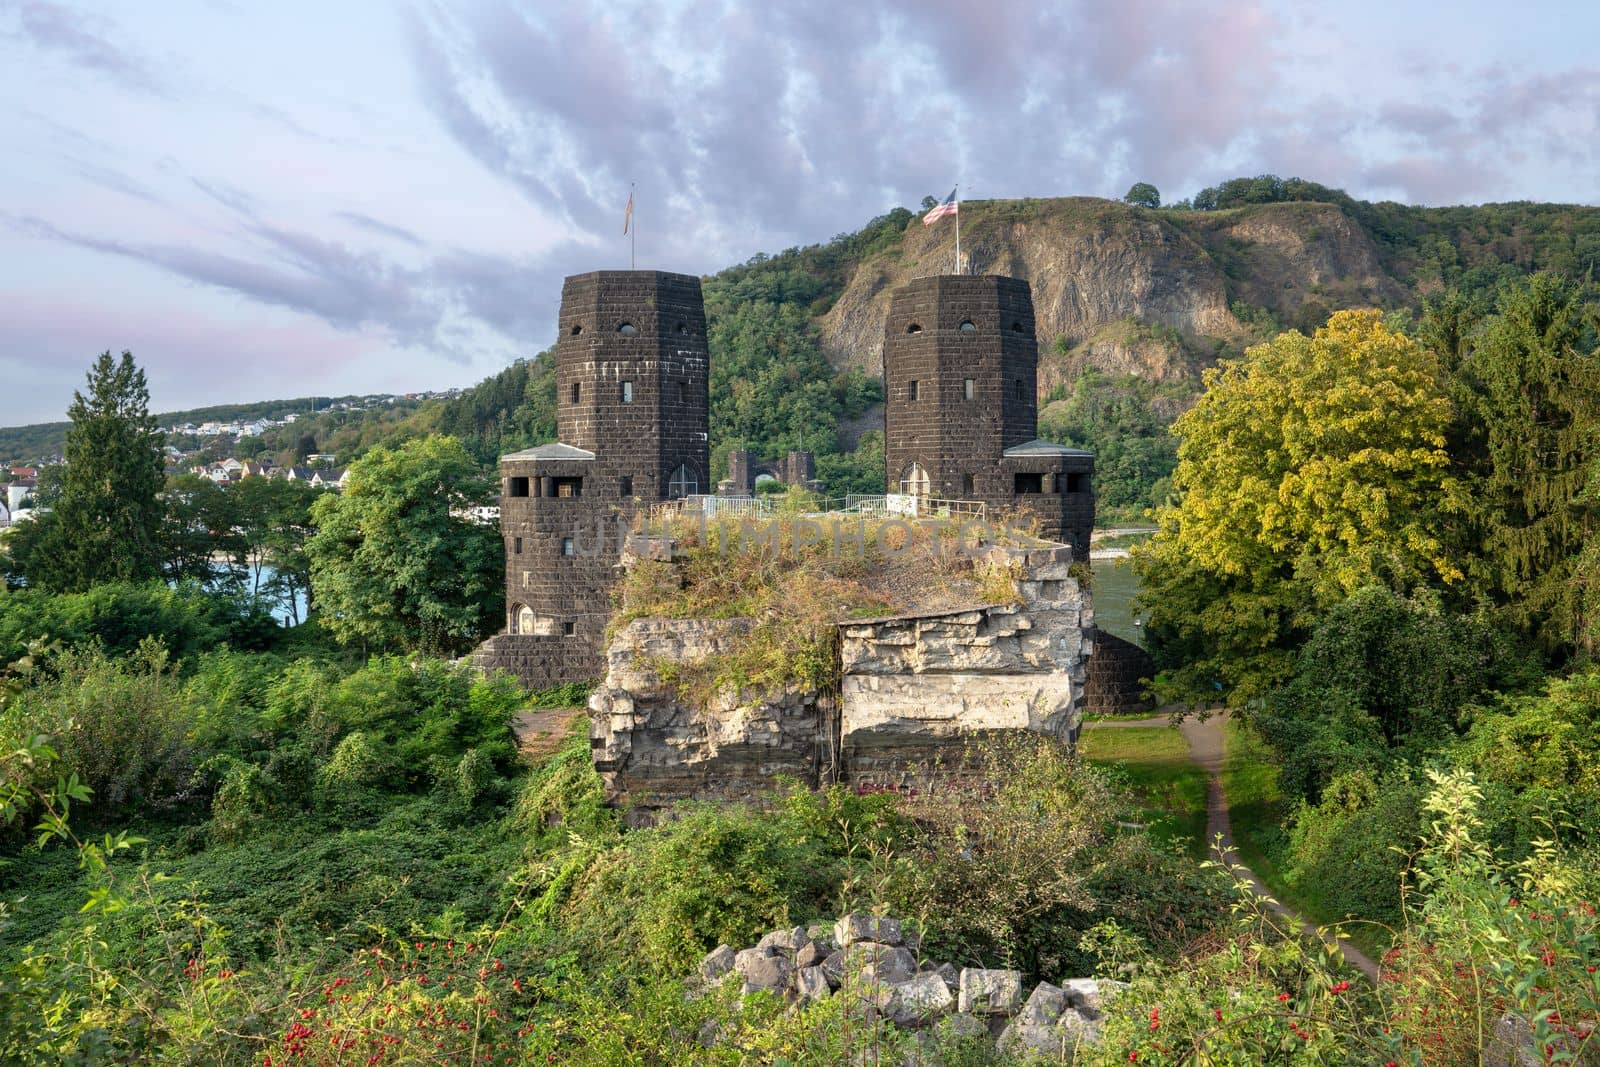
{"x": 1310, "y": 468}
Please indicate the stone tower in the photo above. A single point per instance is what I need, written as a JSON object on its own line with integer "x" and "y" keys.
{"x": 961, "y": 417}
{"x": 633, "y": 427}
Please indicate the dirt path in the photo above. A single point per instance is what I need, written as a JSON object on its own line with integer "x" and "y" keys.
{"x": 1206, "y": 749}
{"x": 541, "y": 731}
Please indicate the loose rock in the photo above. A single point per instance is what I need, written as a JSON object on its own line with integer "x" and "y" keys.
{"x": 718, "y": 962}
{"x": 812, "y": 984}
{"x": 990, "y": 992}
{"x": 917, "y": 1002}
{"x": 857, "y": 927}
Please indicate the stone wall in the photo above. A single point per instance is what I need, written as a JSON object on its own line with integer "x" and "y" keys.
{"x": 915, "y": 690}
{"x": 1112, "y": 686}
{"x": 653, "y": 746}
{"x": 552, "y": 660}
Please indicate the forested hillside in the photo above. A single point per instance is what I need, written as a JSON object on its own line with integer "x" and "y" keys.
{"x": 1132, "y": 303}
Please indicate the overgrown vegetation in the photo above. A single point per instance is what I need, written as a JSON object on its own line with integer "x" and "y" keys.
{"x": 789, "y": 580}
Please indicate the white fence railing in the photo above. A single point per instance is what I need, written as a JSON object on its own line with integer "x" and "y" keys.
{"x": 896, "y": 505}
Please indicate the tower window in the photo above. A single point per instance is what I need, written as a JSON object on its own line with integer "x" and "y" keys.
{"x": 683, "y": 392}
{"x": 911, "y": 390}
{"x": 966, "y": 485}
{"x": 568, "y": 628}
{"x": 969, "y": 389}
{"x": 1022, "y": 390}
{"x": 576, "y": 329}
{"x": 516, "y": 546}
{"x": 567, "y": 547}
{"x": 577, "y": 391}
{"x": 516, "y": 487}
{"x": 1028, "y": 483}
{"x": 1075, "y": 482}
{"x": 913, "y": 328}
{"x": 627, "y": 392}
{"x": 627, "y": 329}
{"x": 967, "y": 326}
{"x": 626, "y": 488}
{"x": 1016, "y": 327}
{"x": 567, "y": 487}
{"x": 683, "y": 327}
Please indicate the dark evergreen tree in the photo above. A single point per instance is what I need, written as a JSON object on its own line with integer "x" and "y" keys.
{"x": 1530, "y": 388}
{"x": 106, "y": 517}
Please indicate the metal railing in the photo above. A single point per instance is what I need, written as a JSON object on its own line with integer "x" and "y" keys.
{"x": 891, "y": 505}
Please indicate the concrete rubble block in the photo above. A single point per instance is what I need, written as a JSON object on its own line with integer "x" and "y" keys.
{"x": 990, "y": 992}
{"x": 1511, "y": 1044}
{"x": 718, "y": 962}
{"x": 810, "y": 954}
{"x": 879, "y": 963}
{"x": 833, "y": 966}
{"x": 771, "y": 974}
{"x": 861, "y": 927}
{"x": 916, "y": 1002}
{"x": 746, "y": 957}
{"x": 1046, "y": 1004}
{"x": 812, "y": 984}
{"x": 948, "y": 974}
{"x": 1087, "y": 995}
{"x": 782, "y": 940}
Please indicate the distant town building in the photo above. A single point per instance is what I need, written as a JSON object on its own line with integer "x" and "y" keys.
{"x": 18, "y": 494}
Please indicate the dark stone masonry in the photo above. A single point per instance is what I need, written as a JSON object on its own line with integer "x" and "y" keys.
{"x": 632, "y": 418}
{"x": 633, "y": 422}
{"x": 961, "y": 415}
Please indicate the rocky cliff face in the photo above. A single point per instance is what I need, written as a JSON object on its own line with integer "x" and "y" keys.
{"x": 1124, "y": 289}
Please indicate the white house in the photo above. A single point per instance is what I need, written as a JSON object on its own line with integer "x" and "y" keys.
{"x": 17, "y": 496}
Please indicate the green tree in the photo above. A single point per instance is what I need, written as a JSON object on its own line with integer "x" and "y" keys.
{"x": 274, "y": 522}
{"x": 1312, "y": 467}
{"x": 1528, "y": 388}
{"x": 395, "y": 561}
{"x": 106, "y": 516}
{"x": 1143, "y": 194}
{"x": 198, "y": 524}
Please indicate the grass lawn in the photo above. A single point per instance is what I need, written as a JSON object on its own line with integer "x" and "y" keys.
{"x": 1256, "y": 809}
{"x": 1154, "y": 760}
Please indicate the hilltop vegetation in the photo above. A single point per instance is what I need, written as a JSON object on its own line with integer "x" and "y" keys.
{"x": 795, "y": 336}
{"x": 1133, "y": 302}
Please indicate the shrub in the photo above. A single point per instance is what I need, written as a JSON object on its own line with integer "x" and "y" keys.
{"x": 1007, "y": 869}
{"x": 716, "y": 873}
{"x": 1353, "y": 848}
{"x": 124, "y": 727}
{"x": 187, "y": 619}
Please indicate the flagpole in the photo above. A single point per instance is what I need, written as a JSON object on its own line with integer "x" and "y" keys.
{"x": 958, "y": 232}
{"x": 633, "y": 234}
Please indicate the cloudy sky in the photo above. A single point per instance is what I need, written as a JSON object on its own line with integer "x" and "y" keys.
{"x": 274, "y": 200}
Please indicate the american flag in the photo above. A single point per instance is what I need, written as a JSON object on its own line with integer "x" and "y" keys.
{"x": 949, "y": 207}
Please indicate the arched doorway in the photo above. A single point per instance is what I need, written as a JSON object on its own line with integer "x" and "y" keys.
{"x": 914, "y": 481}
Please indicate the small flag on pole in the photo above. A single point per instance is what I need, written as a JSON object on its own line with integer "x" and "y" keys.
{"x": 950, "y": 207}
{"x": 627, "y": 215}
